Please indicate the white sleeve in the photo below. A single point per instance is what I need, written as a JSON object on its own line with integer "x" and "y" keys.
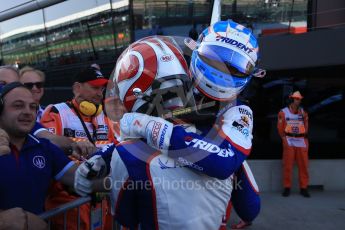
{"x": 40, "y": 130}
{"x": 250, "y": 176}
{"x": 118, "y": 176}
{"x": 238, "y": 126}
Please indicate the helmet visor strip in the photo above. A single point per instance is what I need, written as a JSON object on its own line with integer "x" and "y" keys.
{"x": 227, "y": 61}
{"x": 169, "y": 93}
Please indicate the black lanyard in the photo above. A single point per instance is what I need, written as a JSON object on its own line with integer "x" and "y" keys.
{"x": 83, "y": 124}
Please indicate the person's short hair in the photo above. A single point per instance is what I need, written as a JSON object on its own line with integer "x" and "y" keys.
{"x": 10, "y": 67}
{"x": 26, "y": 69}
{"x": 6, "y": 89}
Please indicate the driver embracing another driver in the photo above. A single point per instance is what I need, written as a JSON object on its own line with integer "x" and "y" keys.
{"x": 152, "y": 81}
{"x": 207, "y": 149}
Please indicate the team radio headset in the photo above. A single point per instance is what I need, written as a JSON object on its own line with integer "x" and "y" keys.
{"x": 88, "y": 109}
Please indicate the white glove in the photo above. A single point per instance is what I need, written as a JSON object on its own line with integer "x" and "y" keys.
{"x": 92, "y": 168}
{"x": 155, "y": 130}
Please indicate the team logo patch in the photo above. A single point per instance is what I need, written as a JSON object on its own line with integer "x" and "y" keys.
{"x": 209, "y": 147}
{"x": 69, "y": 132}
{"x": 103, "y": 127}
{"x": 245, "y": 120}
{"x": 162, "y": 136}
{"x": 168, "y": 163}
{"x": 39, "y": 162}
{"x": 234, "y": 43}
{"x": 101, "y": 136}
{"x": 167, "y": 58}
{"x": 182, "y": 161}
{"x": 179, "y": 163}
{"x": 155, "y": 131}
{"x": 80, "y": 134}
{"x": 241, "y": 127}
{"x": 245, "y": 112}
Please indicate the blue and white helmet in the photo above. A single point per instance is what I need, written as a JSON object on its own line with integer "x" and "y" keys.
{"x": 224, "y": 60}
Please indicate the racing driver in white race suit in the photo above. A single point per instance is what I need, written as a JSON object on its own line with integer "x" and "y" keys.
{"x": 221, "y": 66}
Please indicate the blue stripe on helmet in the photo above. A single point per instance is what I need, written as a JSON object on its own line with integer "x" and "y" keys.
{"x": 228, "y": 57}
{"x": 217, "y": 77}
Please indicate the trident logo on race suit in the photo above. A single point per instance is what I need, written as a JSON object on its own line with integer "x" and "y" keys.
{"x": 206, "y": 146}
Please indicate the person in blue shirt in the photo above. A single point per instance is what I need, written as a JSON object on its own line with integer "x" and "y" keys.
{"x": 26, "y": 172}
{"x": 10, "y": 74}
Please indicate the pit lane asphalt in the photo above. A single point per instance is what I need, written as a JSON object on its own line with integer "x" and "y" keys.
{"x": 323, "y": 211}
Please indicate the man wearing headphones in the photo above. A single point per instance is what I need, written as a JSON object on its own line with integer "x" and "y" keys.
{"x": 81, "y": 119}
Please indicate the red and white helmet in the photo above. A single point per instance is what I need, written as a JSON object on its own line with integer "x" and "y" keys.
{"x": 152, "y": 75}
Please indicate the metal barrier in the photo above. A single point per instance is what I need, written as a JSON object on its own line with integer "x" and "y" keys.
{"x": 96, "y": 215}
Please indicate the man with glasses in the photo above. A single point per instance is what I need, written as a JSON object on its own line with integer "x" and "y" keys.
{"x": 82, "y": 118}
{"x": 34, "y": 79}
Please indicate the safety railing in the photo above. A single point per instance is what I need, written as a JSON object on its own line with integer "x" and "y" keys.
{"x": 95, "y": 214}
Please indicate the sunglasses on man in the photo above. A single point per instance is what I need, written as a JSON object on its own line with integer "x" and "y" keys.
{"x": 31, "y": 85}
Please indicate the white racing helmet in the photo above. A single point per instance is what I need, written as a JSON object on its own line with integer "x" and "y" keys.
{"x": 224, "y": 60}
{"x": 151, "y": 76}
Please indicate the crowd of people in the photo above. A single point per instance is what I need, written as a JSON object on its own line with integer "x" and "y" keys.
{"x": 165, "y": 121}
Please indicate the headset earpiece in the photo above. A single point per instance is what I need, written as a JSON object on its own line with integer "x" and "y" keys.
{"x": 90, "y": 109}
